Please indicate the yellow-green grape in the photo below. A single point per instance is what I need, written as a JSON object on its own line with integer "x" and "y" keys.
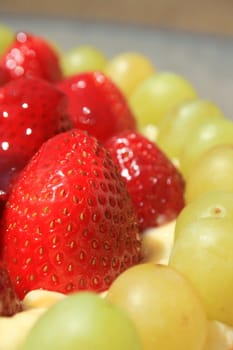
{"x": 204, "y": 137}
{"x": 159, "y": 94}
{"x": 83, "y": 321}
{"x": 203, "y": 253}
{"x": 215, "y": 205}
{"x": 164, "y": 306}
{"x": 81, "y": 59}
{"x": 6, "y": 37}
{"x": 149, "y": 131}
{"x": 128, "y": 70}
{"x": 213, "y": 171}
{"x": 177, "y": 126}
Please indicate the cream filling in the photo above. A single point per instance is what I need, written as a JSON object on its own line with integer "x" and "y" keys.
{"x": 156, "y": 246}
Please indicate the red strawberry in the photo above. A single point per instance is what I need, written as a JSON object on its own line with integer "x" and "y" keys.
{"x": 97, "y": 105}
{"x": 9, "y": 302}
{"x": 31, "y": 56}
{"x": 69, "y": 223}
{"x": 3, "y": 76}
{"x": 31, "y": 111}
{"x": 155, "y": 185}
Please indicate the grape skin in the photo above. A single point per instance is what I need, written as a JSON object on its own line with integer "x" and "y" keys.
{"x": 157, "y": 95}
{"x": 206, "y": 136}
{"x": 128, "y": 70}
{"x": 6, "y": 38}
{"x": 82, "y": 58}
{"x": 164, "y": 306}
{"x": 83, "y": 321}
{"x": 203, "y": 253}
{"x": 213, "y": 172}
{"x": 216, "y": 204}
{"x": 176, "y": 127}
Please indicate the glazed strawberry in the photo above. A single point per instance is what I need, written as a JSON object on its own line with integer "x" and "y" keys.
{"x": 69, "y": 223}
{"x": 9, "y": 302}
{"x": 30, "y": 56}
{"x": 3, "y": 76}
{"x": 97, "y": 105}
{"x": 31, "y": 111}
{"x": 155, "y": 185}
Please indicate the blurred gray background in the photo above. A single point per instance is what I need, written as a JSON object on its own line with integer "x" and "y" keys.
{"x": 192, "y": 38}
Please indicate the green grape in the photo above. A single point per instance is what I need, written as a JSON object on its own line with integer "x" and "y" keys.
{"x": 6, "y": 37}
{"x": 176, "y": 127}
{"x": 204, "y": 137}
{"x": 128, "y": 70}
{"x": 213, "y": 171}
{"x": 215, "y": 205}
{"x": 203, "y": 253}
{"x": 164, "y": 306}
{"x": 83, "y": 321}
{"x": 159, "y": 94}
{"x": 82, "y": 58}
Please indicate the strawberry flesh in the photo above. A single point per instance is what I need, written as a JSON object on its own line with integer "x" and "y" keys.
{"x": 30, "y": 56}
{"x": 31, "y": 111}
{"x": 69, "y": 223}
{"x": 3, "y": 76}
{"x": 155, "y": 185}
{"x": 97, "y": 105}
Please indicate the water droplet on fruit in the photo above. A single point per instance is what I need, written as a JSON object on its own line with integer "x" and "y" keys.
{"x": 5, "y": 145}
{"x": 21, "y": 37}
{"x": 5, "y": 114}
{"x": 28, "y": 131}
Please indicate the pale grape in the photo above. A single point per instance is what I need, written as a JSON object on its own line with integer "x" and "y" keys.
{"x": 6, "y": 37}
{"x": 81, "y": 59}
{"x": 215, "y": 205}
{"x": 159, "y": 94}
{"x": 203, "y": 253}
{"x": 204, "y": 137}
{"x": 150, "y": 132}
{"x": 83, "y": 321}
{"x": 177, "y": 126}
{"x": 164, "y": 306}
{"x": 213, "y": 171}
{"x": 128, "y": 70}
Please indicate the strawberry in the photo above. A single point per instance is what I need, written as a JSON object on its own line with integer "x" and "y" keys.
{"x": 30, "y": 56}
{"x": 69, "y": 223}
{"x": 31, "y": 111}
{"x": 3, "y": 76}
{"x": 155, "y": 185}
{"x": 97, "y": 105}
{"x": 9, "y": 302}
